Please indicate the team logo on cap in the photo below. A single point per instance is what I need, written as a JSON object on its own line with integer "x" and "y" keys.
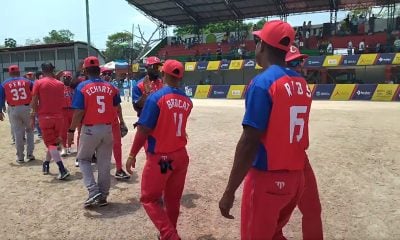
{"x": 293, "y": 49}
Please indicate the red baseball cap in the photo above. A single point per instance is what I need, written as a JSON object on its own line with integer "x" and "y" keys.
{"x": 173, "y": 68}
{"x": 274, "y": 32}
{"x": 294, "y": 54}
{"x": 13, "y": 69}
{"x": 153, "y": 60}
{"x": 91, "y": 61}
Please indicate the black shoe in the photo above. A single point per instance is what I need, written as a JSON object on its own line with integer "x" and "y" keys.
{"x": 94, "y": 159}
{"x": 91, "y": 201}
{"x": 30, "y": 158}
{"x": 20, "y": 161}
{"x": 101, "y": 202}
{"x": 63, "y": 175}
{"x": 121, "y": 174}
{"x": 46, "y": 168}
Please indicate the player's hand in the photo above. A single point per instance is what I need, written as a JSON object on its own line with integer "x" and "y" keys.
{"x": 70, "y": 138}
{"x": 225, "y": 205}
{"x": 130, "y": 164}
{"x": 147, "y": 84}
{"x": 1, "y": 116}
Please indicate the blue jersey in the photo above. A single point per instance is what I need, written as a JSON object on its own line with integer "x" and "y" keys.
{"x": 278, "y": 103}
{"x": 166, "y": 112}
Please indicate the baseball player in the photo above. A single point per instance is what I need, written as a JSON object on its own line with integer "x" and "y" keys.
{"x": 149, "y": 84}
{"x": 117, "y": 124}
{"x": 17, "y": 92}
{"x": 163, "y": 124}
{"x": 66, "y": 78}
{"x": 271, "y": 151}
{"x": 309, "y": 204}
{"x": 47, "y": 102}
{"x": 94, "y": 102}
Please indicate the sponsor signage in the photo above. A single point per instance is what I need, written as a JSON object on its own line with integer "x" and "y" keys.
{"x": 314, "y": 61}
{"x": 323, "y": 91}
{"x": 202, "y": 65}
{"x": 219, "y": 91}
{"x": 364, "y": 91}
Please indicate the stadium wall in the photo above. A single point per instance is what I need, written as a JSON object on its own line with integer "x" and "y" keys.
{"x": 334, "y": 92}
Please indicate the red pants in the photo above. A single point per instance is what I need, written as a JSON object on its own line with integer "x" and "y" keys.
{"x": 117, "y": 147}
{"x": 167, "y": 186}
{"x": 269, "y": 199}
{"x": 310, "y": 206}
{"x": 51, "y": 129}
{"x": 67, "y": 114}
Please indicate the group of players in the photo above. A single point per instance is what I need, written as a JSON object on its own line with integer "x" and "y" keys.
{"x": 270, "y": 155}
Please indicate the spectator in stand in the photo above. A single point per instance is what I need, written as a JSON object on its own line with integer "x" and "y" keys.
{"x": 371, "y": 23}
{"x": 329, "y": 48}
{"x": 307, "y": 38}
{"x": 361, "y": 47}
{"x": 350, "y": 48}
{"x": 304, "y": 29}
{"x": 378, "y": 48}
{"x": 219, "y": 52}
{"x": 197, "y": 55}
{"x": 396, "y": 44}
{"x": 241, "y": 51}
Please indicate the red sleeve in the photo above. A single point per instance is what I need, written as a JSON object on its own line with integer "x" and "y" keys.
{"x": 35, "y": 90}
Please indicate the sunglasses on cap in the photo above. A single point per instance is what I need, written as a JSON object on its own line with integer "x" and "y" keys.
{"x": 295, "y": 63}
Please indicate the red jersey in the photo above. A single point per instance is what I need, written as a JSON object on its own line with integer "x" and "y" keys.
{"x": 51, "y": 96}
{"x": 68, "y": 94}
{"x": 166, "y": 112}
{"x": 278, "y": 102}
{"x": 98, "y": 99}
{"x": 18, "y": 91}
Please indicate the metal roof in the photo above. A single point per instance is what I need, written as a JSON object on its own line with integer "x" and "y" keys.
{"x": 183, "y": 12}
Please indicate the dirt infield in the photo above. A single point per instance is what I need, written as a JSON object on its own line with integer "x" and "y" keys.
{"x": 354, "y": 152}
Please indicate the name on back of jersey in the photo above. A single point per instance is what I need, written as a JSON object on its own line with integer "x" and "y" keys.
{"x": 102, "y": 89}
{"x": 178, "y": 103}
{"x": 297, "y": 87}
{"x": 19, "y": 83}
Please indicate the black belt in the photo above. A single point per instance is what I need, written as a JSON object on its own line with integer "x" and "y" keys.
{"x": 91, "y": 125}
{"x": 18, "y": 105}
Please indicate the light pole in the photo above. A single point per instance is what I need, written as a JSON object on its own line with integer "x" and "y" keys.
{"x": 88, "y": 27}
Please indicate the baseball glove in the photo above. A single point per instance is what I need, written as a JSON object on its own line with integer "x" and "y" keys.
{"x": 124, "y": 129}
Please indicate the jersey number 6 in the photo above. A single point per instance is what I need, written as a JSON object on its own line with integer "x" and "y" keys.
{"x": 296, "y": 121}
{"x": 102, "y": 106}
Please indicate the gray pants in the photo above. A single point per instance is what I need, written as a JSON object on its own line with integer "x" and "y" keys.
{"x": 11, "y": 128}
{"x": 21, "y": 123}
{"x": 99, "y": 139}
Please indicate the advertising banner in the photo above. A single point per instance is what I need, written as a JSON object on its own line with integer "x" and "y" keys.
{"x": 396, "y": 59}
{"x": 323, "y": 91}
{"x": 213, "y": 65}
{"x": 332, "y": 61}
{"x": 190, "y": 90}
{"x": 219, "y": 91}
{"x": 350, "y": 60}
{"x": 258, "y": 66}
{"x": 224, "y": 65}
{"x": 202, "y": 91}
{"x": 367, "y": 59}
{"x": 385, "y": 58}
{"x": 236, "y": 65}
{"x": 250, "y": 63}
{"x": 343, "y": 92}
{"x": 202, "y": 65}
{"x": 135, "y": 67}
{"x": 190, "y": 66}
{"x": 311, "y": 86}
{"x": 385, "y": 92}
{"x": 364, "y": 92}
{"x": 236, "y": 91}
{"x": 397, "y": 97}
{"x": 314, "y": 61}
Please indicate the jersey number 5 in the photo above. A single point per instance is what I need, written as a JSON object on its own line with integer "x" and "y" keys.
{"x": 18, "y": 94}
{"x": 296, "y": 121}
{"x": 102, "y": 105}
{"x": 179, "y": 124}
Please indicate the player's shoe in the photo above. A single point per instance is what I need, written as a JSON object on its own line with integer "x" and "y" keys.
{"x": 76, "y": 163}
{"x": 13, "y": 142}
{"x": 63, "y": 175}
{"x": 68, "y": 151}
{"x": 30, "y": 158}
{"x": 46, "y": 167}
{"x": 121, "y": 174}
{"x": 20, "y": 161}
{"x": 63, "y": 153}
{"x": 91, "y": 201}
{"x": 39, "y": 136}
{"x": 94, "y": 159}
{"x": 101, "y": 201}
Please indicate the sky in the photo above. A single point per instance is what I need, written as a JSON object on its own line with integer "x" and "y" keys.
{"x": 31, "y": 19}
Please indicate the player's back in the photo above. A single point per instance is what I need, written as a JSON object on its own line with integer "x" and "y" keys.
{"x": 173, "y": 108}
{"x": 286, "y": 136}
{"x": 18, "y": 91}
{"x": 98, "y": 98}
{"x": 51, "y": 96}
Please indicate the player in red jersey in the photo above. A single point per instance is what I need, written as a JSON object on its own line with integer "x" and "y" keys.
{"x": 94, "y": 102}
{"x": 66, "y": 78}
{"x": 272, "y": 149}
{"x": 149, "y": 84}
{"x": 309, "y": 204}
{"x": 47, "y": 102}
{"x": 16, "y": 91}
{"x": 117, "y": 123}
{"x": 163, "y": 124}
